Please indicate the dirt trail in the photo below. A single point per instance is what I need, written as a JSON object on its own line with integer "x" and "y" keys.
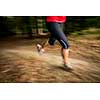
{"x": 20, "y": 62}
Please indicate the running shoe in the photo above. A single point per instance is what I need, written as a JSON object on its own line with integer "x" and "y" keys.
{"x": 67, "y": 67}
{"x": 40, "y": 49}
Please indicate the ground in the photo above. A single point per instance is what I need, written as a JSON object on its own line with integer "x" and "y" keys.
{"x": 20, "y": 62}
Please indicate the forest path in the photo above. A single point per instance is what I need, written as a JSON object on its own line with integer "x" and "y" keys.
{"x": 20, "y": 62}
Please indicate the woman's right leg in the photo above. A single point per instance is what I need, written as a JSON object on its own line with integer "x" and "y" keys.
{"x": 55, "y": 28}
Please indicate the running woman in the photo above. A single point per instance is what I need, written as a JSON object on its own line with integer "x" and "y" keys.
{"x": 55, "y": 27}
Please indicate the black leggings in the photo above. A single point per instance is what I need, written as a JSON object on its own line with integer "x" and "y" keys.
{"x": 56, "y": 30}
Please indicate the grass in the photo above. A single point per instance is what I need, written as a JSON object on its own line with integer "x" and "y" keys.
{"x": 87, "y": 31}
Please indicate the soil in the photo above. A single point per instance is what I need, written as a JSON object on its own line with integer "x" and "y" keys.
{"x": 21, "y": 63}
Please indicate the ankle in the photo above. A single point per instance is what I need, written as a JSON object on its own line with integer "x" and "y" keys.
{"x": 65, "y": 62}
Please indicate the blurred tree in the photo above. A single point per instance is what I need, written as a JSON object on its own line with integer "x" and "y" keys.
{"x": 29, "y": 25}
{"x": 6, "y": 26}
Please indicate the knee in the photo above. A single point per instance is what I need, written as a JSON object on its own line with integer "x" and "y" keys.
{"x": 64, "y": 44}
{"x": 51, "y": 41}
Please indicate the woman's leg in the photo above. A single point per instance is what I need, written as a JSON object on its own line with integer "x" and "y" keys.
{"x": 65, "y": 55}
{"x": 50, "y": 41}
{"x": 55, "y": 28}
{"x": 64, "y": 52}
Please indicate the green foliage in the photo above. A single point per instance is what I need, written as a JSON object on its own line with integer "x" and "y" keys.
{"x": 11, "y": 25}
{"x": 77, "y": 23}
